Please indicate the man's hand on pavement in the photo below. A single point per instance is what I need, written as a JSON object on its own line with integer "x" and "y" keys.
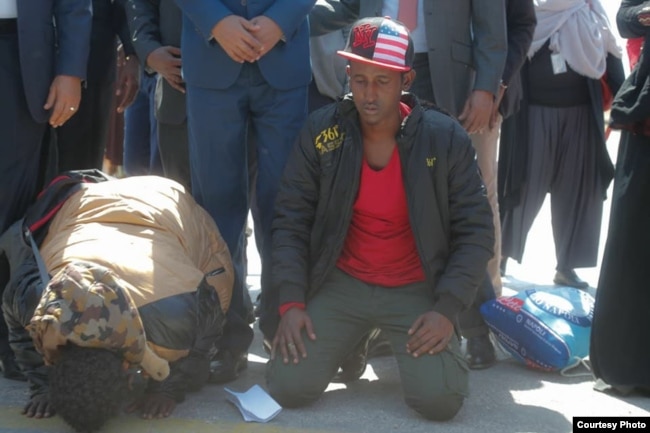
{"x": 430, "y": 334}
{"x": 153, "y": 406}
{"x": 236, "y": 36}
{"x": 167, "y": 62}
{"x": 288, "y": 337}
{"x": 63, "y": 99}
{"x": 39, "y": 406}
{"x": 476, "y": 114}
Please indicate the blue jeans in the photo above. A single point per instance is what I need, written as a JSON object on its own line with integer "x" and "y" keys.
{"x": 218, "y": 122}
{"x": 141, "y": 156}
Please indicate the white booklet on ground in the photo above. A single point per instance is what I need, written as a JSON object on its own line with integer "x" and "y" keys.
{"x": 254, "y": 404}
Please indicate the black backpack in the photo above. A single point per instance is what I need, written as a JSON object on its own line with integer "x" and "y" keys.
{"x": 48, "y": 202}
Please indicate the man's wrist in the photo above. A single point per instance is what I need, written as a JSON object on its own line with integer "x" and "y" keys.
{"x": 289, "y": 305}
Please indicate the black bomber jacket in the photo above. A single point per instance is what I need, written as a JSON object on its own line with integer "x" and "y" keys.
{"x": 448, "y": 209}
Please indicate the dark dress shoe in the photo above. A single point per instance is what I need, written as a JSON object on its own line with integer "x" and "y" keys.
{"x": 10, "y": 369}
{"x": 379, "y": 346}
{"x": 226, "y": 366}
{"x": 568, "y": 277}
{"x": 353, "y": 367}
{"x": 480, "y": 352}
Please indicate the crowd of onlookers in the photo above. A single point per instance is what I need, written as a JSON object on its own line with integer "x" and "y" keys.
{"x": 394, "y": 155}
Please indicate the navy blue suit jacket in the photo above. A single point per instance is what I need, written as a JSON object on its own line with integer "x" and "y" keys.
{"x": 46, "y": 53}
{"x": 206, "y": 64}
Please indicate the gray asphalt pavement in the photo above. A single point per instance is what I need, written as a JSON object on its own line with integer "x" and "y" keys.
{"x": 506, "y": 398}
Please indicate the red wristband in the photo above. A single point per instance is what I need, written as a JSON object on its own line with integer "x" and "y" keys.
{"x": 289, "y": 305}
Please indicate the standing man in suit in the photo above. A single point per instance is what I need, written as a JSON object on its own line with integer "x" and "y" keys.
{"x": 460, "y": 53}
{"x": 155, "y": 27}
{"x": 41, "y": 71}
{"x": 520, "y": 21}
{"x": 245, "y": 63}
{"x": 82, "y": 141}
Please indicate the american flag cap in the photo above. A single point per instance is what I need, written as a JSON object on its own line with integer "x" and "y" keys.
{"x": 380, "y": 41}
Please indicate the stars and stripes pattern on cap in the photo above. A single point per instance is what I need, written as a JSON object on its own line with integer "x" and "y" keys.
{"x": 380, "y": 41}
{"x": 392, "y": 44}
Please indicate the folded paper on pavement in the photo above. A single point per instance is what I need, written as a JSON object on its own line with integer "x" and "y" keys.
{"x": 255, "y": 404}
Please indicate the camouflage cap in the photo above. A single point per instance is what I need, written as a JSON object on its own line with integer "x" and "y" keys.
{"x": 87, "y": 305}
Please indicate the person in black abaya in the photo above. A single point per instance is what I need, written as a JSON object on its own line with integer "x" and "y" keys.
{"x": 620, "y": 349}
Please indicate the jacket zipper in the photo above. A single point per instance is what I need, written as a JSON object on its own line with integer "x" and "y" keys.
{"x": 409, "y": 200}
{"x": 345, "y": 222}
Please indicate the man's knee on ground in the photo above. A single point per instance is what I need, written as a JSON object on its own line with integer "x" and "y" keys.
{"x": 291, "y": 391}
{"x": 437, "y": 408}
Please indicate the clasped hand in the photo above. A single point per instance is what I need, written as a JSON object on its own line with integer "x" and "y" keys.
{"x": 166, "y": 61}
{"x": 246, "y": 40}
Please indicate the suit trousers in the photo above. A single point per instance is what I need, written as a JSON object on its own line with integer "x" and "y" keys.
{"x": 172, "y": 145}
{"x": 486, "y": 145}
{"x": 471, "y": 321}
{"x": 141, "y": 156}
{"x": 218, "y": 124}
{"x": 22, "y": 139}
{"x": 20, "y": 149}
{"x": 81, "y": 141}
{"x": 343, "y": 312}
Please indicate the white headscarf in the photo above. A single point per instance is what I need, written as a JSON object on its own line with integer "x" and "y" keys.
{"x": 579, "y": 30}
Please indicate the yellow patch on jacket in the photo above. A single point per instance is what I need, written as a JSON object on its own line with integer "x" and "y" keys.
{"x": 329, "y": 139}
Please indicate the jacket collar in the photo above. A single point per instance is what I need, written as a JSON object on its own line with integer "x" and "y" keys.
{"x": 348, "y": 111}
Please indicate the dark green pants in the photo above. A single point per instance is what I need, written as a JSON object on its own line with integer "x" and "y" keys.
{"x": 344, "y": 311}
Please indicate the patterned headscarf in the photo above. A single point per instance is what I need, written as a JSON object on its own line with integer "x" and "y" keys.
{"x": 87, "y": 305}
{"x": 579, "y": 30}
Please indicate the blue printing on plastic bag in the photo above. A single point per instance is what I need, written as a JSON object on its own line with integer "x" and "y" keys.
{"x": 547, "y": 329}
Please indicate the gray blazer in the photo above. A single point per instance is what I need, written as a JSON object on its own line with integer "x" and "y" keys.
{"x": 466, "y": 40}
{"x": 154, "y": 24}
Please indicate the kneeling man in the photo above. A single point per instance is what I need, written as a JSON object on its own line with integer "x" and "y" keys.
{"x": 381, "y": 221}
